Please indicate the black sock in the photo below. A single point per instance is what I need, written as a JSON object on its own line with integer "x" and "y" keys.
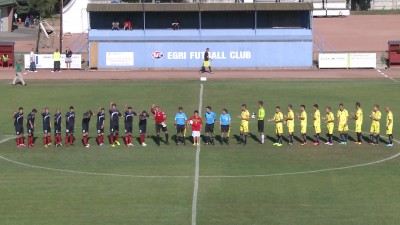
{"x": 208, "y": 139}
{"x": 370, "y": 138}
{"x": 277, "y": 138}
{"x": 280, "y": 139}
{"x": 245, "y": 138}
{"x": 341, "y": 137}
{"x": 346, "y": 137}
{"x": 166, "y": 138}
{"x": 330, "y": 138}
{"x": 377, "y": 139}
{"x": 158, "y": 139}
{"x": 291, "y": 138}
{"x": 359, "y": 137}
{"x": 304, "y": 138}
{"x": 176, "y": 139}
{"x": 210, "y": 69}
{"x": 241, "y": 138}
{"x": 212, "y": 137}
{"x": 390, "y": 138}
{"x": 317, "y": 136}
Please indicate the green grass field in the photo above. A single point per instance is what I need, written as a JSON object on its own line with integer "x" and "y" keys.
{"x": 237, "y": 185}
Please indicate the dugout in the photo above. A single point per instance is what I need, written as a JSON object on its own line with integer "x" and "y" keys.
{"x": 394, "y": 53}
{"x": 239, "y": 35}
{"x": 7, "y": 48}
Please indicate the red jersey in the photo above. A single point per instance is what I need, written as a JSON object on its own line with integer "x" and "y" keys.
{"x": 159, "y": 117}
{"x": 197, "y": 122}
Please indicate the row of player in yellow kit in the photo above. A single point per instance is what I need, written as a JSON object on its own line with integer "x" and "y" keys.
{"x": 342, "y": 117}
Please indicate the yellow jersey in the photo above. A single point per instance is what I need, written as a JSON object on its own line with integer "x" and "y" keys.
{"x": 342, "y": 116}
{"x": 278, "y": 117}
{"x": 330, "y": 117}
{"x": 303, "y": 115}
{"x": 291, "y": 116}
{"x": 359, "y": 115}
{"x": 56, "y": 56}
{"x": 245, "y": 114}
{"x": 261, "y": 113}
{"x": 376, "y": 117}
{"x": 389, "y": 117}
{"x": 317, "y": 118}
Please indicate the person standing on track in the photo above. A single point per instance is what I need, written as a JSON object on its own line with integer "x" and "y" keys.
{"x": 207, "y": 62}
{"x": 69, "y": 126}
{"x": 30, "y": 125}
{"x": 68, "y": 58}
{"x": 19, "y": 127}
{"x": 114, "y": 124}
{"x": 57, "y": 128}
{"x": 101, "y": 117}
{"x": 18, "y": 75}
{"x": 46, "y": 127}
{"x": 160, "y": 118}
{"x": 57, "y": 60}
{"x": 210, "y": 121}
{"x": 32, "y": 60}
{"x": 225, "y": 125}
{"x": 289, "y": 119}
{"x": 180, "y": 126}
{"x": 358, "y": 117}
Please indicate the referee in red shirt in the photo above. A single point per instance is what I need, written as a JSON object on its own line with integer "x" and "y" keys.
{"x": 160, "y": 118}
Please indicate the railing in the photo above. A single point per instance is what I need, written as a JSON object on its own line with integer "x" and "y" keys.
{"x": 80, "y": 43}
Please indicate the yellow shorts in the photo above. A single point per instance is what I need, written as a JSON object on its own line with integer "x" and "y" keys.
{"x": 206, "y": 63}
{"x": 330, "y": 128}
{"x": 375, "y": 128}
{"x": 389, "y": 130}
{"x": 279, "y": 128}
{"x": 290, "y": 127}
{"x": 244, "y": 128}
{"x": 317, "y": 129}
{"x": 358, "y": 127}
{"x": 303, "y": 129}
{"x": 343, "y": 127}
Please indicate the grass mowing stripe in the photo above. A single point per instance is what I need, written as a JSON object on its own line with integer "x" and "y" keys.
{"x": 197, "y": 167}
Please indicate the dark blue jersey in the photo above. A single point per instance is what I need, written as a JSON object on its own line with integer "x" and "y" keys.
{"x": 114, "y": 116}
{"x": 143, "y": 119}
{"x": 86, "y": 118}
{"x": 19, "y": 119}
{"x": 70, "y": 118}
{"x": 46, "y": 119}
{"x": 129, "y": 117}
{"x": 57, "y": 120}
{"x": 31, "y": 120}
{"x": 100, "y": 119}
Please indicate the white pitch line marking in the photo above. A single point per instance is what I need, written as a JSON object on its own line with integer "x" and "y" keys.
{"x": 197, "y": 168}
{"x": 379, "y": 70}
{"x": 385, "y": 75}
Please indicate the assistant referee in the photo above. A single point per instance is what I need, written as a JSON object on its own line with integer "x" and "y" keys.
{"x": 260, "y": 122}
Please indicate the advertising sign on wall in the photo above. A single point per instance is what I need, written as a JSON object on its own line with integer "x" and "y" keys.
{"x": 120, "y": 59}
{"x": 346, "y": 60}
{"x": 45, "y": 61}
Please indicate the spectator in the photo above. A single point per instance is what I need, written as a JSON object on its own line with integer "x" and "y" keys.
{"x": 18, "y": 75}
{"x": 115, "y": 25}
{"x": 57, "y": 59}
{"x": 68, "y": 58}
{"x": 32, "y": 59}
{"x": 5, "y": 58}
{"x": 127, "y": 24}
{"x": 26, "y": 21}
{"x": 175, "y": 25}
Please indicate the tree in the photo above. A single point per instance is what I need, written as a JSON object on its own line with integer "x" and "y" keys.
{"x": 44, "y": 8}
{"x": 22, "y": 7}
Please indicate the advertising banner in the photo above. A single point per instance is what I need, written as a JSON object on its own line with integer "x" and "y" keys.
{"x": 346, "y": 60}
{"x": 45, "y": 61}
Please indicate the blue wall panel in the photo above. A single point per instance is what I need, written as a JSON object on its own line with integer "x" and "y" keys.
{"x": 225, "y": 54}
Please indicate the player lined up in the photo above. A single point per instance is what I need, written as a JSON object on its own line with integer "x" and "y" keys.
{"x": 181, "y": 123}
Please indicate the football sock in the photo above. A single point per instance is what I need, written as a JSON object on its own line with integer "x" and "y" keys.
{"x": 317, "y": 136}
{"x": 71, "y": 139}
{"x": 370, "y": 137}
{"x": 341, "y": 137}
{"x": 377, "y": 139}
{"x": 167, "y": 138}
{"x": 85, "y": 139}
{"x": 390, "y": 138}
{"x": 111, "y": 139}
{"x": 49, "y": 139}
{"x": 241, "y": 138}
{"x": 116, "y": 137}
{"x": 177, "y": 139}
{"x": 346, "y": 137}
{"x": 18, "y": 141}
{"x": 245, "y": 138}
{"x": 358, "y": 137}
{"x": 126, "y": 139}
{"x": 158, "y": 139}
{"x": 330, "y": 138}
{"x": 304, "y": 138}
{"x": 291, "y": 137}
{"x": 21, "y": 140}
{"x": 29, "y": 140}
{"x": 66, "y": 139}
{"x": 262, "y": 138}
{"x": 210, "y": 69}
{"x": 280, "y": 139}
{"x": 45, "y": 140}
{"x": 212, "y": 137}
{"x": 141, "y": 138}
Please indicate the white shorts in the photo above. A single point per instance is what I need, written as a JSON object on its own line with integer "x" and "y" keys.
{"x": 196, "y": 133}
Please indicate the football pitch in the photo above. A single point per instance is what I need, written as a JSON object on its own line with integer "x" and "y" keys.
{"x": 206, "y": 185}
